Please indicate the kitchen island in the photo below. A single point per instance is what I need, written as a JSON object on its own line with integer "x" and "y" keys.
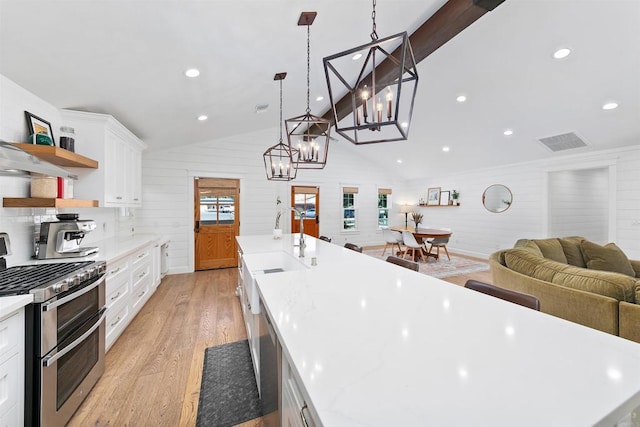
{"x": 370, "y": 343}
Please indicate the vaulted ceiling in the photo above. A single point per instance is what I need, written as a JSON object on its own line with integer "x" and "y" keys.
{"x": 127, "y": 59}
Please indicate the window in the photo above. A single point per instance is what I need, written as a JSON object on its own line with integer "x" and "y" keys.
{"x": 349, "y": 208}
{"x": 384, "y": 204}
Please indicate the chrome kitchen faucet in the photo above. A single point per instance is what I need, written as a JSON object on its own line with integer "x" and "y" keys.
{"x": 302, "y": 245}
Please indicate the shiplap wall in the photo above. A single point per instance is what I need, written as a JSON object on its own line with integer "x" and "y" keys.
{"x": 167, "y": 186}
{"x": 479, "y": 232}
{"x": 578, "y": 204}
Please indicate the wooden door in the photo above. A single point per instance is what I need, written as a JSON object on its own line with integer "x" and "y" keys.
{"x": 306, "y": 199}
{"x": 216, "y": 216}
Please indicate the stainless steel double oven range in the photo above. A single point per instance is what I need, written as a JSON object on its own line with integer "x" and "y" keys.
{"x": 65, "y": 335}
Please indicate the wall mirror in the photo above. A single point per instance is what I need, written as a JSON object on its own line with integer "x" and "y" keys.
{"x": 497, "y": 198}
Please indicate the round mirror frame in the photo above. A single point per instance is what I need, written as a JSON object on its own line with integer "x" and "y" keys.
{"x": 497, "y": 198}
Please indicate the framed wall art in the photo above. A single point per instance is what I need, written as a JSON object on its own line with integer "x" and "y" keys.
{"x": 433, "y": 196}
{"x": 444, "y": 198}
{"x": 38, "y": 126}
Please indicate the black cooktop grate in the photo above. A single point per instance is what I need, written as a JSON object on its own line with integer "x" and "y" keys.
{"x": 21, "y": 279}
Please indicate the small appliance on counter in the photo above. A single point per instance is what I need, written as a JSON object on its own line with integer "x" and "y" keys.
{"x": 61, "y": 239}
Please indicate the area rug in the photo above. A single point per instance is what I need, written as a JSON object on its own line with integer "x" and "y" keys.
{"x": 228, "y": 392}
{"x": 439, "y": 268}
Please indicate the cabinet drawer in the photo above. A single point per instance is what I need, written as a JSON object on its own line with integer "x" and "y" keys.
{"x": 10, "y": 382}
{"x": 116, "y": 294}
{"x": 11, "y": 330}
{"x": 141, "y": 275}
{"x": 117, "y": 273}
{"x": 115, "y": 318}
{"x": 141, "y": 257}
{"x": 140, "y": 295}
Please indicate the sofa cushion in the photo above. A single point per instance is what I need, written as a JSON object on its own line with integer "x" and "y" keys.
{"x": 606, "y": 258}
{"x": 573, "y": 251}
{"x": 526, "y": 262}
{"x": 606, "y": 283}
{"x": 551, "y": 249}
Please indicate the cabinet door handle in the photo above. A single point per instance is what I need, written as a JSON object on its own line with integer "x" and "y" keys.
{"x": 115, "y": 271}
{"x": 115, "y": 296}
{"x": 141, "y": 275}
{"x": 140, "y": 296}
{"x": 116, "y": 322}
{"x": 142, "y": 255}
{"x": 118, "y": 197}
{"x": 136, "y": 199}
{"x": 302, "y": 417}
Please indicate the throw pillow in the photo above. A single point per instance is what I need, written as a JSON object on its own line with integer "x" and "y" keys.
{"x": 551, "y": 249}
{"x": 606, "y": 258}
{"x": 572, "y": 250}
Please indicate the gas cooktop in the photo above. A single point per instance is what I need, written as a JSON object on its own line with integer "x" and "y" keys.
{"x": 46, "y": 280}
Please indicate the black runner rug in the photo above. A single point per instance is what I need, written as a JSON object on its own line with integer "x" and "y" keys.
{"x": 228, "y": 393}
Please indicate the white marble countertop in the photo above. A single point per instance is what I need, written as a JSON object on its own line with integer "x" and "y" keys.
{"x": 10, "y": 304}
{"x": 374, "y": 344}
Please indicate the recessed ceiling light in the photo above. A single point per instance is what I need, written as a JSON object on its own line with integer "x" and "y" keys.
{"x": 461, "y": 98}
{"x": 202, "y": 118}
{"x": 404, "y": 124}
{"x": 507, "y": 132}
{"x": 399, "y": 160}
{"x": 561, "y": 53}
{"x": 261, "y": 108}
{"x": 445, "y": 149}
{"x": 320, "y": 98}
{"x": 610, "y": 106}
{"x": 192, "y": 72}
{"x": 356, "y": 56}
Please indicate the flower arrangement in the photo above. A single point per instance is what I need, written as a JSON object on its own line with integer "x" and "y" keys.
{"x": 417, "y": 218}
{"x": 278, "y": 213}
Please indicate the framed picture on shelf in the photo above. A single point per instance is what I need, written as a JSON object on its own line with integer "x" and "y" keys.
{"x": 433, "y": 196}
{"x": 444, "y": 198}
{"x": 38, "y": 126}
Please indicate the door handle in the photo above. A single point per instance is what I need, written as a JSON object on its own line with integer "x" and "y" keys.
{"x": 197, "y": 229}
{"x": 317, "y": 219}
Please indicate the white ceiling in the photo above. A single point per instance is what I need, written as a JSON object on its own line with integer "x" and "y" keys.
{"x": 127, "y": 59}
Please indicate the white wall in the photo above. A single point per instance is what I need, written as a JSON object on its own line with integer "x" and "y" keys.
{"x": 168, "y": 191}
{"x": 479, "y": 232}
{"x": 20, "y": 223}
{"x": 578, "y": 204}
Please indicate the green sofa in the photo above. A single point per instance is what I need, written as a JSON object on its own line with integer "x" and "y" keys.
{"x": 577, "y": 280}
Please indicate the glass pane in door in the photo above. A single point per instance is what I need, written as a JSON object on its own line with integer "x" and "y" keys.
{"x": 305, "y": 203}
{"x": 216, "y": 208}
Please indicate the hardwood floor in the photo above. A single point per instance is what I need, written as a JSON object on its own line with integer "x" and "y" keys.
{"x": 153, "y": 370}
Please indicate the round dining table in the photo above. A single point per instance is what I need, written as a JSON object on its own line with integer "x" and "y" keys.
{"x": 425, "y": 233}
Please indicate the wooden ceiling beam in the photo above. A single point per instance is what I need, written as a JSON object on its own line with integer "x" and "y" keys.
{"x": 450, "y": 20}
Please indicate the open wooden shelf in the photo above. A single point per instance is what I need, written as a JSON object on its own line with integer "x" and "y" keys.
{"x": 42, "y": 202}
{"x": 57, "y": 156}
{"x": 437, "y": 206}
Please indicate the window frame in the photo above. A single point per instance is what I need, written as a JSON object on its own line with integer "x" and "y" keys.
{"x": 384, "y": 191}
{"x": 353, "y": 190}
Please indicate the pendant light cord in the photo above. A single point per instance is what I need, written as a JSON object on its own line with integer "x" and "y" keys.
{"x": 374, "y": 34}
{"x": 308, "y": 64}
{"x": 280, "y": 112}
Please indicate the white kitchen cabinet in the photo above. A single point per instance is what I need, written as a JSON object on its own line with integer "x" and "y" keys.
{"x": 12, "y": 369}
{"x": 295, "y": 411}
{"x": 118, "y": 180}
{"x": 129, "y": 285}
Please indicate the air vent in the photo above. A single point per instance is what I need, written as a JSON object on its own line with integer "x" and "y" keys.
{"x": 565, "y": 141}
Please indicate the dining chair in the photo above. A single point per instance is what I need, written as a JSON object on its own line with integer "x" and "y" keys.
{"x": 392, "y": 238}
{"x": 412, "y": 245}
{"x": 519, "y": 298}
{"x": 439, "y": 242}
{"x": 403, "y": 263}
{"x": 353, "y": 247}
{"x": 325, "y": 238}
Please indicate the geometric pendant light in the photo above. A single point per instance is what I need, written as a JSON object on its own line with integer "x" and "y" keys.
{"x": 380, "y": 80}
{"x": 280, "y": 160}
{"x": 307, "y": 133}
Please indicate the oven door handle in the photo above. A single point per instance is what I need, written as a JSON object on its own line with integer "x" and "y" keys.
{"x": 49, "y": 360}
{"x": 54, "y": 304}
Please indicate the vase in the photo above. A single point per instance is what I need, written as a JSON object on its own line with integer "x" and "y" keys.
{"x": 277, "y": 233}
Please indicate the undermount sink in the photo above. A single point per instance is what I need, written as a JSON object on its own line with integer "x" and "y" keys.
{"x": 254, "y": 265}
{"x": 272, "y": 262}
